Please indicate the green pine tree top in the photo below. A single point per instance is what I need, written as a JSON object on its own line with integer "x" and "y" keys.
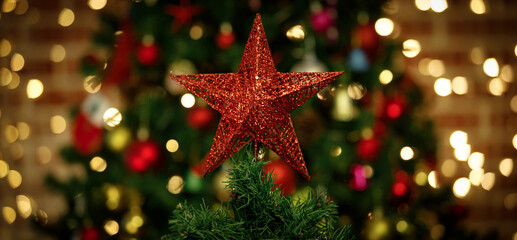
{"x": 258, "y": 210}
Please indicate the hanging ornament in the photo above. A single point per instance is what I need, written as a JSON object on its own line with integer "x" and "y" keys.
{"x": 148, "y": 51}
{"x": 368, "y": 40}
{"x": 358, "y": 61}
{"x": 86, "y": 137}
{"x": 285, "y": 176}
{"x": 358, "y": 180}
{"x": 368, "y": 148}
{"x": 183, "y": 13}
{"x": 246, "y": 114}
{"x": 94, "y": 107}
{"x": 309, "y": 63}
{"x": 119, "y": 67}
{"x": 225, "y": 38}
{"x": 118, "y": 138}
{"x": 322, "y": 20}
{"x": 142, "y": 155}
{"x": 201, "y": 118}
{"x": 90, "y": 233}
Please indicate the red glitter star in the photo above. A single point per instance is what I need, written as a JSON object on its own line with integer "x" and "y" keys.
{"x": 255, "y": 102}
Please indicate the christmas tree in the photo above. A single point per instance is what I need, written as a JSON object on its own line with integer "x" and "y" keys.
{"x": 143, "y": 138}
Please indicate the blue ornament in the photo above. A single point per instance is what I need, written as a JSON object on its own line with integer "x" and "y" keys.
{"x": 358, "y": 60}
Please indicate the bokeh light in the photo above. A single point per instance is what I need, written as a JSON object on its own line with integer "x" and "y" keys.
{"x": 461, "y": 187}
{"x": 462, "y": 152}
{"x": 44, "y": 154}
{"x": 436, "y": 67}
{"x": 458, "y": 139}
{"x": 111, "y": 227}
{"x": 15, "y": 81}
{"x": 497, "y": 87}
{"x": 17, "y": 62}
{"x": 14, "y": 178}
{"x": 386, "y": 76}
{"x": 172, "y": 145}
{"x": 5, "y": 47}
{"x": 475, "y": 176}
{"x": 507, "y": 73}
{"x": 443, "y": 87}
{"x": 23, "y": 130}
{"x": 421, "y": 178}
{"x": 449, "y": 167}
{"x": 8, "y": 6}
{"x": 57, "y": 53}
{"x": 196, "y": 32}
{"x": 5, "y": 76}
{"x": 92, "y": 84}
{"x": 98, "y": 164}
{"x": 188, "y": 100}
{"x": 356, "y": 91}
{"x": 295, "y": 33}
{"x": 477, "y": 55}
{"x": 23, "y": 203}
{"x": 477, "y": 6}
{"x": 460, "y": 85}
{"x": 406, "y": 153}
{"x": 66, "y": 17}
{"x": 423, "y": 66}
{"x": 112, "y": 117}
{"x": 423, "y": 5}
{"x": 34, "y": 88}
{"x": 97, "y": 4}
{"x": 11, "y": 133}
{"x": 433, "y": 181}
{"x": 9, "y": 214}
{"x": 57, "y": 124}
{"x": 491, "y": 67}
{"x": 384, "y": 26}
{"x": 513, "y": 104}
{"x": 439, "y": 5}
{"x": 514, "y": 141}
{"x": 476, "y": 160}
{"x": 4, "y": 168}
{"x": 510, "y": 201}
{"x": 506, "y": 167}
{"x": 488, "y": 180}
{"x": 175, "y": 184}
{"x": 411, "y": 48}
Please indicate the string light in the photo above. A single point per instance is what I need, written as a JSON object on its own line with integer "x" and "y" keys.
{"x": 66, "y": 17}
{"x": 385, "y": 76}
{"x": 188, "y": 100}
{"x": 514, "y": 141}
{"x": 506, "y": 167}
{"x": 443, "y": 87}
{"x": 423, "y": 5}
{"x": 460, "y": 85}
{"x": 384, "y": 26}
{"x": 172, "y": 145}
{"x": 439, "y": 5}
{"x": 295, "y": 33}
{"x": 461, "y": 187}
{"x": 477, "y": 6}
{"x": 57, "y": 124}
{"x": 57, "y": 53}
{"x": 411, "y": 48}
{"x": 356, "y": 91}
{"x": 515, "y": 50}
{"x": 491, "y": 67}
{"x": 475, "y": 176}
{"x": 34, "y": 88}
{"x": 406, "y": 153}
{"x": 112, "y": 117}
{"x": 97, "y": 4}
{"x": 488, "y": 180}
{"x": 17, "y": 62}
{"x": 11, "y": 133}
{"x": 421, "y": 178}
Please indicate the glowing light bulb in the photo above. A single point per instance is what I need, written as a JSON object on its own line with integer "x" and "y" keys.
{"x": 406, "y": 153}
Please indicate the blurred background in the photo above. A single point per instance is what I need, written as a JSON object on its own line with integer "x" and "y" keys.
{"x": 416, "y": 140}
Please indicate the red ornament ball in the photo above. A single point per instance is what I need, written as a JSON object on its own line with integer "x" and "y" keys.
{"x": 285, "y": 176}
{"x": 86, "y": 137}
{"x": 225, "y": 40}
{"x": 148, "y": 54}
{"x": 368, "y": 148}
{"x": 90, "y": 233}
{"x": 321, "y": 21}
{"x": 142, "y": 155}
{"x": 201, "y": 118}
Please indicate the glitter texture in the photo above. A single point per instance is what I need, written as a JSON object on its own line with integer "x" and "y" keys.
{"x": 256, "y": 102}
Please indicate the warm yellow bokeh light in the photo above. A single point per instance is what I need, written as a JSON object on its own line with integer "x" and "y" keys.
{"x": 98, "y": 164}
{"x": 9, "y": 214}
{"x": 66, "y": 17}
{"x": 172, "y": 145}
{"x": 476, "y": 160}
{"x": 514, "y": 141}
{"x": 458, "y": 139}
{"x": 188, "y": 100}
{"x": 368, "y": 171}
{"x": 44, "y": 154}
{"x": 406, "y": 153}
{"x": 433, "y": 181}
{"x": 423, "y": 5}
{"x": 515, "y": 50}
{"x": 507, "y": 73}
{"x": 491, "y": 67}
{"x": 443, "y": 87}
{"x": 175, "y": 184}
{"x": 23, "y": 130}
{"x": 506, "y": 167}
{"x": 439, "y": 5}
{"x": 14, "y": 178}
{"x": 8, "y": 6}
{"x": 423, "y": 66}
{"x": 488, "y": 180}
{"x": 421, "y": 178}
{"x": 23, "y": 203}
{"x": 386, "y": 76}
{"x": 402, "y": 226}
{"x": 111, "y": 227}
{"x": 21, "y": 7}
{"x": 34, "y": 88}
{"x": 11, "y": 133}
{"x": 356, "y": 91}
{"x": 460, "y": 85}
{"x": 436, "y": 67}
{"x": 461, "y": 187}
{"x": 97, "y": 4}
{"x": 113, "y": 195}
{"x": 497, "y": 87}
{"x": 295, "y": 33}
{"x": 336, "y": 151}
{"x": 475, "y": 176}
{"x": 462, "y": 152}
{"x": 15, "y": 81}
{"x": 449, "y": 167}
{"x": 16, "y": 150}
{"x": 5, "y": 47}
{"x": 384, "y": 26}
{"x": 57, "y": 124}
{"x": 92, "y": 84}
{"x": 411, "y": 48}
{"x": 477, "y": 55}
{"x": 510, "y": 201}
{"x": 17, "y": 62}
{"x": 513, "y": 104}
{"x": 112, "y": 117}
{"x": 196, "y": 32}
{"x": 5, "y": 76}
{"x": 57, "y": 53}
{"x": 477, "y": 6}
{"x": 4, "y": 168}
